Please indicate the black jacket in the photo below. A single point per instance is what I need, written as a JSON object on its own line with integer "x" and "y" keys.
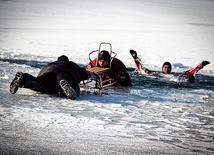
{"x": 52, "y": 73}
{"x": 68, "y": 67}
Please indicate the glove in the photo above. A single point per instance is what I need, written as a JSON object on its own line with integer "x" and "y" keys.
{"x": 147, "y": 70}
{"x": 121, "y": 76}
{"x": 92, "y": 75}
{"x": 204, "y": 63}
{"x": 191, "y": 78}
{"x": 134, "y": 54}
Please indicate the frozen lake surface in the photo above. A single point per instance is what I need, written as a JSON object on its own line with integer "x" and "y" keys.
{"x": 153, "y": 116}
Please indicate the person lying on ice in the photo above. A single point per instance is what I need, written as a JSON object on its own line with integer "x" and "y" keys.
{"x": 118, "y": 71}
{"x": 61, "y": 76}
{"x": 167, "y": 67}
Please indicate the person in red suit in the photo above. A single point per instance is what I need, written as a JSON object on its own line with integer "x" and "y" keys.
{"x": 167, "y": 68}
{"x": 117, "y": 72}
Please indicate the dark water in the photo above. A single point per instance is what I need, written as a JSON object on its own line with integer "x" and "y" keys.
{"x": 178, "y": 114}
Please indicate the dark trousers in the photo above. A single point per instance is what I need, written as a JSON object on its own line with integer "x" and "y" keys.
{"x": 49, "y": 82}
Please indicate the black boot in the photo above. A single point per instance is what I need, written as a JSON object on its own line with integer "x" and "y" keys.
{"x": 16, "y": 83}
{"x": 61, "y": 92}
{"x": 67, "y": 89}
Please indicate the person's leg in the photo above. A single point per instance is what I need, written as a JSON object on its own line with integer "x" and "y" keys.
{"x": 25, "y": 80}
{"x": 50, "y": 82}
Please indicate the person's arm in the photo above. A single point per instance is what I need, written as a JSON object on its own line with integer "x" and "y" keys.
{"x": 119, "y": 73}
{"x": 138, "y": 63}
{"x": 190, "y": 73}
{"x": 91, "y": 64}
{"x": 197, "y": 68}
{"x": 123, "y": 78}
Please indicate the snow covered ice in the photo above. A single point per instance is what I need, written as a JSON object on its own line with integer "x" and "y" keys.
{"x": 151, "y": 117}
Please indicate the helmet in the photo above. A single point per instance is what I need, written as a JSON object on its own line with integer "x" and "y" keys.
{"x": 104, "y": 55}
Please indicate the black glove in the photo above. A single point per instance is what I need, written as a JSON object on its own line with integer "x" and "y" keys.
{"x": 134, "y": 54}
{"x": 191, "y": 78}
{"x": 121, "y": 76}
{"x": 89, "y": 74}
{"x": 92, "y": 75}
{"x": 147, "y": 71}
{"x": 204, "y": 63}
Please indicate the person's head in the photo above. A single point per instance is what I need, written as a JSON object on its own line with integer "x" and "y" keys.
{"x": 63, "y": 58}
{"x": 104, "y": 59}
{"x": 166, "y": 68}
